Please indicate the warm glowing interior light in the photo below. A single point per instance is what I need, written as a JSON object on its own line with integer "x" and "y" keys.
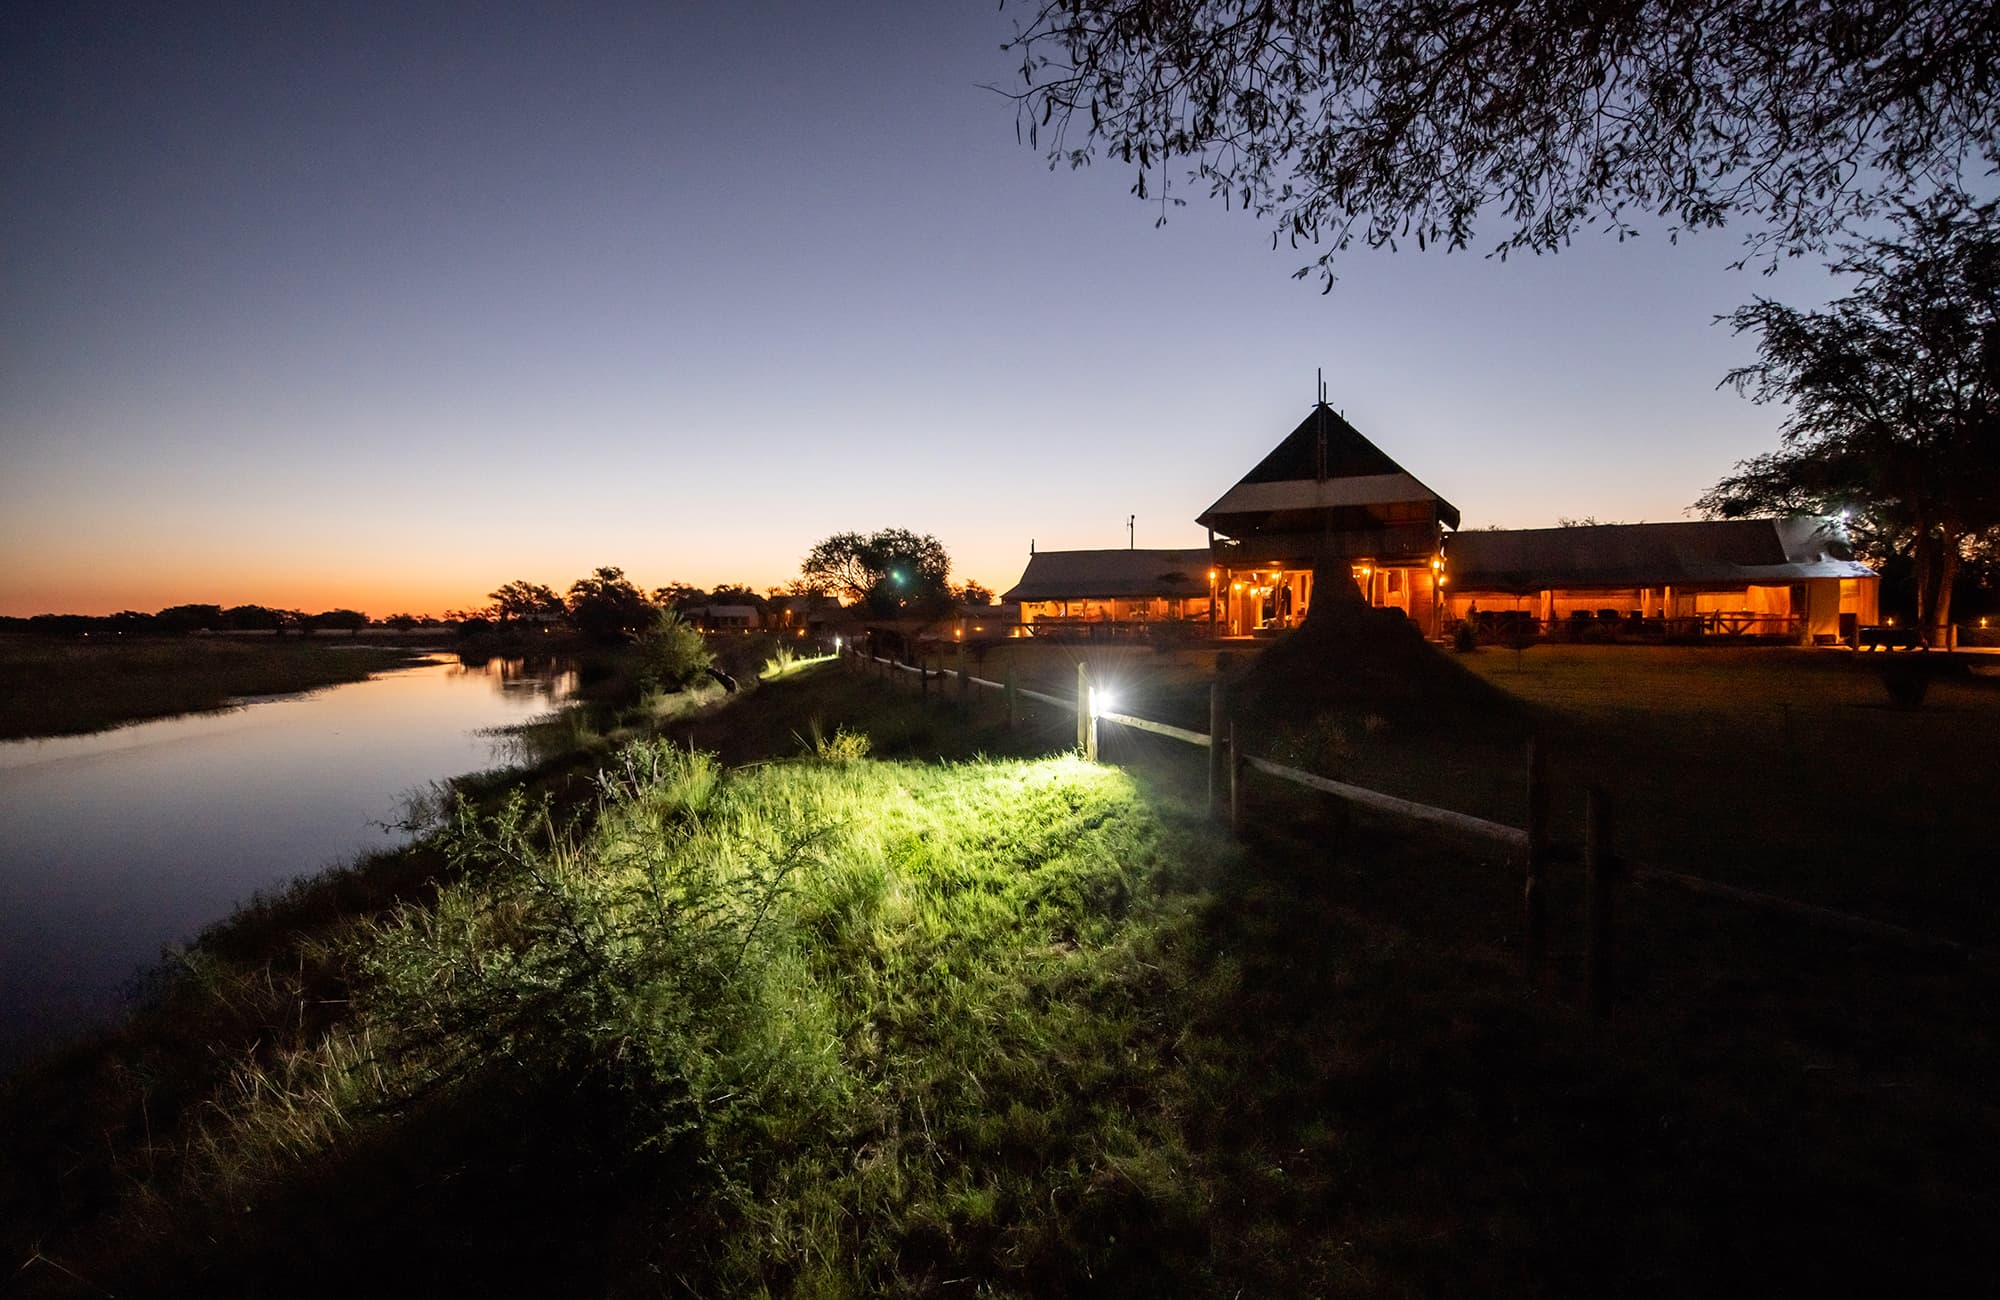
{"x": 1211, "y": 575}
{"x": 1236, "y": 587}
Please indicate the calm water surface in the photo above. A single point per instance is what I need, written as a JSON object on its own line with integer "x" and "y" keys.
{"x": 115, "y": 844}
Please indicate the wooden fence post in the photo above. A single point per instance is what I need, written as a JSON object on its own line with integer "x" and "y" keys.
{"x": 1236, "y": 773}
{"x": 1012, "y": 693}
{"x": 1215, "y": 743}
{"x": 1599, "y": 879}
{"x": 964, "y": 684}
{"x": 924, "y": 677}
{"x": 1083, "y": 708}
{"x": 1534, "y": 893}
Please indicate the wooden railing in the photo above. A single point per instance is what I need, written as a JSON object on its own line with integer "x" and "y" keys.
{"x": 1604, "y": 871}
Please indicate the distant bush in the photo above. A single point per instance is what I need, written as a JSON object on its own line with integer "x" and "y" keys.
{"x": 781, "y": 660}
{"x": 843, "y": 746}
{"x": 1908, "y": 680}
{"x": 671, "y": 654}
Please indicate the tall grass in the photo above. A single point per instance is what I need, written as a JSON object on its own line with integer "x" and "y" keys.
{"x": 842, "y": 1010}
{"x": 829, "y": 1025}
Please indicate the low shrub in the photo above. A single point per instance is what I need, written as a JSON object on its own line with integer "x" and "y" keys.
{"x": 671, "y": 654}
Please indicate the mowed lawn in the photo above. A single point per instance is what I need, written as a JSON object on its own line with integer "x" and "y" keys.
{"x": 1784, "y": 770}
{"x": 1776, "y": 769}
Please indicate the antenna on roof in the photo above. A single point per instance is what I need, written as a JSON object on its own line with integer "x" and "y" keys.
{"x": 1131, "y": 523}
{"x": 1319, "y": 427}
{"x": 1031, "y": 546}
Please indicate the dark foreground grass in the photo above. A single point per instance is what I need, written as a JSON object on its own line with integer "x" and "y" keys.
{"x": 819, "y": 1023}
{"x": 1783, "y": 770}
{"x": 60, "y": 688}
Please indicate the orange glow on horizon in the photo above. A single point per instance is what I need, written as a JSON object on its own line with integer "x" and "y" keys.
{"x": 99, "y": 594}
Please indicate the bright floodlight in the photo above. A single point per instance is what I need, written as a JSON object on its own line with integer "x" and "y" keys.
{"x": 1101, "y": 702}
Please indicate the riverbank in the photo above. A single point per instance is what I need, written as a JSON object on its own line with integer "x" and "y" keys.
{"x": 896, "y": 1000}
{"x": 54, "y": 687}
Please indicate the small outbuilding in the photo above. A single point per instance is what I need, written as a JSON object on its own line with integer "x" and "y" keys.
{"x": 1072, "y": 590}
{"x": 723, "y": 618}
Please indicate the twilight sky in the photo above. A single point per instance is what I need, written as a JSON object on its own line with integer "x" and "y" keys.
{"x": 382, "y": 305}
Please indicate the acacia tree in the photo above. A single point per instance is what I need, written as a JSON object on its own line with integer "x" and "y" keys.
{"x": 1894, "y": 395}
{"x": 892, "y": 570}
{"x": 679, "y": 595}
{"x": 1390, "y": 120}
{"x": 606, "y": 606}
{"x": 526, "y": 602}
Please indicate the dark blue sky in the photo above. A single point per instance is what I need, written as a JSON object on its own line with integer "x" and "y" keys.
{"x": 384, "y": 305}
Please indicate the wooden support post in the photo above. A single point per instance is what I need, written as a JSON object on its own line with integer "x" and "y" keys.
{"x": 1237, "y": 768}
{"x": 1216, "y": 741}
{"x": 1013, "y": 695}
{"x": 1083, "y": 708}
{"x": 1534, "y": 891}
{"x": 1599, "y": 878}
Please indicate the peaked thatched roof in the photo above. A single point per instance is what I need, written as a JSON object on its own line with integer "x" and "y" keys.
{"x": 1111, "y": 575}
{"x": 1705, "y": 552}
{"x": 1293, "y": 477}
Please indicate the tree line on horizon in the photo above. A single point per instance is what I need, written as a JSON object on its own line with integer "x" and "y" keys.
{"x": 889, "y": 573}
{"x": 186, "y": 620}
{"x": 892, "y": 571}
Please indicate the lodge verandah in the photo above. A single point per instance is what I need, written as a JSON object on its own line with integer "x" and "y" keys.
{"x": 1738, "y": 578}
{"x": 1273, "y": 598}
{"x": 1824, "y": 609}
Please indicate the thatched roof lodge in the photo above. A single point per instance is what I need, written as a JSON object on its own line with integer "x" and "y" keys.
{"x": 1325, "y": 493}
{"x": 1327, "y": 496}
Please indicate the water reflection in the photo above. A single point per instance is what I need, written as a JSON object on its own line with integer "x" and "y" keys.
{"x": 544, "y": 676}
{"x": 114, "y": 844}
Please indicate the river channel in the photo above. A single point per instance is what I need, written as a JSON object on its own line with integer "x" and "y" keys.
{"x": 116, "y": 845}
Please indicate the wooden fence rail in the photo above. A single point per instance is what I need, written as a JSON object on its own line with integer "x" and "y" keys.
{"x": 1512, "y": 836}
{"x": 1605, "y": 871}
